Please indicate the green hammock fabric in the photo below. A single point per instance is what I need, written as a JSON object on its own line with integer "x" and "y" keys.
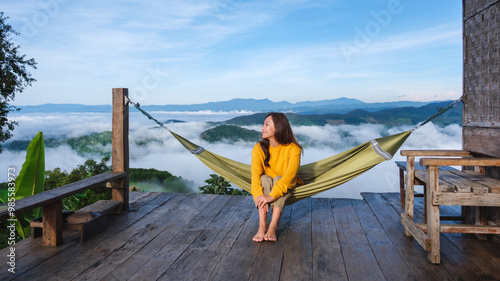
{"x": 318, "y": 176}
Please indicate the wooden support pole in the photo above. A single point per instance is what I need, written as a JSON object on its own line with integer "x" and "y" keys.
{"x": 402, "y": 193}
{"x": 120, "y": 150}
{"x": 433, "y": 220}
{"x": 52, "y": 224}
{"x": 410, "y": 189}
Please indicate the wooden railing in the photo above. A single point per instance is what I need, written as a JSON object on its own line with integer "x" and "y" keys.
{"x": 117, "y": 179}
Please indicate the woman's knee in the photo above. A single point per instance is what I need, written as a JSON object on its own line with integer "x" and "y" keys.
{"x": 276, "y": 178}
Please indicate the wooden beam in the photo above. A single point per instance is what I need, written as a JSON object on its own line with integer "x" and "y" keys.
{"x": 466, "y": 199}
{"x": 433, "y": 219}
{"x": 52, "y": 224}
{"x": 410, "y": 189}
{"x": 420, "y": 236}
{"x": 449, "y": 153}
{"x": 463, "y": 228}
{"x": 120, "y": 149}
{"x": 57, "y": 194}
{"x": 460, "y": 161}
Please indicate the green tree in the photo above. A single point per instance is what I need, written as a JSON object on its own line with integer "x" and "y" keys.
{"x": 14, "y": 76}
{"x": 219, "y": 185}
{"x": 57, "y": 178}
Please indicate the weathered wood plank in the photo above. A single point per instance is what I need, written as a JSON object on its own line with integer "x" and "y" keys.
{"x": 466, "y": 199}
{"x": 360, "y": 262}
{"x": 161, "y": 232}
{"x": 91, "y": 253}
{"x": 52, "y": 224}
{"x": 57, "y": 194}
{"x": 216, "y": 245}
{"x": 234, "y": 265}
{"x": 101, "y": 206}
{"x": 297, "y": 259}
{"x": 270, "y": 256}
{"x": 432, "y": 216}
{"x": 208, "y": 263}
{"x": 166, "y": 248}
{"x": 464, "y": 228}
{"x": 481, "y": 178}
{"x": 391, "y": 263}
{"x": 410, "y": 188}
{"x": 408, "y": 248}
{"x": 460, "y": 161}
{"x": 185, "y": 267}
{"x": 449, "y": 153}
{"x": 328, "y": 263}
{"x": 444, "y": 186}
{"x": 120, "y": 146}
{"x": 26, "y": 260}
{"x": 411, "y": 227}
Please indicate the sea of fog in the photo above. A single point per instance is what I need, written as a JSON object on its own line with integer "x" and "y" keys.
{"x": 163, "y": 152}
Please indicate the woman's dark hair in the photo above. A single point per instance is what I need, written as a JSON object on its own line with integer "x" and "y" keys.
{"x": 283, "y": 135}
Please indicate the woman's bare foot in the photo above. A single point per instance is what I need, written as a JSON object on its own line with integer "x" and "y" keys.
{"x": 259, "y": 237}
{"x": 270, "y": 235}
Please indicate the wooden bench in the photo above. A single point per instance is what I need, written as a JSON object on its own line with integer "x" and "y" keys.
{"x": 448, "y": 187}
{"x": 418, "y": 180}
{"x": 88, "y": 221}
{"x": 51, "y": 203}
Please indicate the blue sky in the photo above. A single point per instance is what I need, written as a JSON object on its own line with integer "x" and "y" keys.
{"x": 184, "y": 52}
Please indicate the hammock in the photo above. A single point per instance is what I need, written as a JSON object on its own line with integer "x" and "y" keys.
{"x": 317, "y": 176}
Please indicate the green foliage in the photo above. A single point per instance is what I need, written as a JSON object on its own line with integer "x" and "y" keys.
{"x": 14, "y": 76}
{"x": 57, "y": 178}
{"x": 93, "y": 143}
{"x": 393, "y": 117}
{"x": 219, "y": 185}
{"x": 152, "y": 179}
{"x": 28, "y": 182}
{"x": 231, "y": 133}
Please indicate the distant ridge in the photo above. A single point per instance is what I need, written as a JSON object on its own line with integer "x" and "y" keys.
{"x": 339, "y": 105}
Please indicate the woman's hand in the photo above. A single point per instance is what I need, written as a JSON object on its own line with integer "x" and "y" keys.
{"x": 263, "y": 200}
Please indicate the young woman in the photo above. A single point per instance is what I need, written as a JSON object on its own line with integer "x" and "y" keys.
{"x": 275, "y": 162}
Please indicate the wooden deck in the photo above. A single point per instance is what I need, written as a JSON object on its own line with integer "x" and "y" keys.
{"x": 208, "y": 237}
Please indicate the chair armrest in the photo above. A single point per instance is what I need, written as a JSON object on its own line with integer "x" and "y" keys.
{"x": 460, "y": 161}
{"x": 449, "y": 153}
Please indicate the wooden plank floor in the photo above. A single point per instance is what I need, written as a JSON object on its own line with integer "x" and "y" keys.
{"x": 207, "y": 237}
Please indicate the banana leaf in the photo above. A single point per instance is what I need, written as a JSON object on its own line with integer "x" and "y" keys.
{"x": 30, "y": 181}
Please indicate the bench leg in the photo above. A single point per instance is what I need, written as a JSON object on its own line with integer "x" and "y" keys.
{"x": 410, "y": 189}
{"x": 480, "y": 219}
{"x": 433, "y": 219}
{"x": 52, "y": 224}
{"x": 402, "y": 187}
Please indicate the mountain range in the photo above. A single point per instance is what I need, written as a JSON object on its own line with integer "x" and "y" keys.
{"x": 339, "y": 105}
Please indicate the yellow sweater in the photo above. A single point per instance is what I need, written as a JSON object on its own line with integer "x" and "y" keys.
{"x": 284, "y": 161}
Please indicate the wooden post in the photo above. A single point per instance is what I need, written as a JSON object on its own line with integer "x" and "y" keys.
{"x": 120, "y": 151}
{"x": 410, "y": 189}
{"x": 52, "y": 224}
{"x": 433, "y": 219}
{"x": 402, "y": 194}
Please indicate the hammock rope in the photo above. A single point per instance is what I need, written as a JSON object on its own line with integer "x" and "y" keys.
{"x": 318, "y": 176}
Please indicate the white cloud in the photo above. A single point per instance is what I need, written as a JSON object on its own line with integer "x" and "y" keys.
{"x": 163, "y": 152}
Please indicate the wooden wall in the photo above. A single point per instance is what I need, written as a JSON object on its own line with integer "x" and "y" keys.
{"x": 481, "y": 82}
